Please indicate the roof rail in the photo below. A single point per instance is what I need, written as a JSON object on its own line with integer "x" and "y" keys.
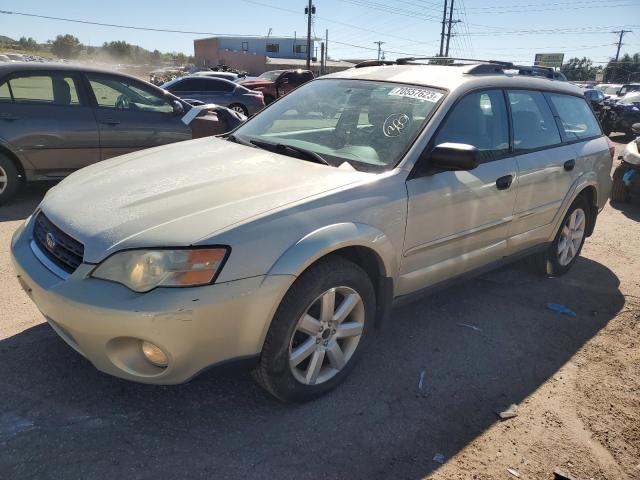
{"x": 374, "y": 63}
{"x": 445, "y": 60}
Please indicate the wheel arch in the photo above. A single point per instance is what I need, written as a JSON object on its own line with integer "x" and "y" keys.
{"x": 362, "y": 244}
{"x": 6, "y": 151}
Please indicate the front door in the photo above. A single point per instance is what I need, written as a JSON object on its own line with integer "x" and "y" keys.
{"x": 45, "y": 116}
{"x": 459, "y": 220}
{"x": 132, "y": 116}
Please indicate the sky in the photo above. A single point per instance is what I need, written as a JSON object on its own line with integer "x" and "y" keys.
{"x": 512, "y": 30}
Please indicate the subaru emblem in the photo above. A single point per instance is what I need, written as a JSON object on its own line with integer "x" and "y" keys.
{"x": 51, "y": 241}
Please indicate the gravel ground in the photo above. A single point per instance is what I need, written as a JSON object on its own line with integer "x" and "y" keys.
{"x": 576, "y": 381}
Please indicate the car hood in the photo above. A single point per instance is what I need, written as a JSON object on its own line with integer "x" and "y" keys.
{"x": 182, "y": 194}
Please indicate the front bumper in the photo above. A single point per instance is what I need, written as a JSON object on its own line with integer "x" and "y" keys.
{"x": 105, "y": 322}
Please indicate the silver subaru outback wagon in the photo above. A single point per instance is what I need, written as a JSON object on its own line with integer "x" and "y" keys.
{"x": 289, "y": 239}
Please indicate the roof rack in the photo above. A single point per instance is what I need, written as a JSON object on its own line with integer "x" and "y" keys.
{"x": 479, "y": 66}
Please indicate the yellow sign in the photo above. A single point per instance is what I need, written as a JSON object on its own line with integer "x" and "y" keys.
{"x": 549, "y": 59}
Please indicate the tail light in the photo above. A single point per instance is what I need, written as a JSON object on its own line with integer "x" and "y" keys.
{"x": 612, "y": 148}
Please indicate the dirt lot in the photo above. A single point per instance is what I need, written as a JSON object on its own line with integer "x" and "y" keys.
{"x": 576, "y": 381}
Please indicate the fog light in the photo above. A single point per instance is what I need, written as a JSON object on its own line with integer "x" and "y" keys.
{"x": 154, "y": 354}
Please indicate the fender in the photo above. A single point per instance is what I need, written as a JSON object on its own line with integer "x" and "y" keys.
{"x": 585, "y": 180}
{"x": 24, "y": 166}
{"x": 325, "y": 240}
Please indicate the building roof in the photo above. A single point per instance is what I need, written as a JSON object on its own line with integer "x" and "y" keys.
{"x": 270, "y": 37}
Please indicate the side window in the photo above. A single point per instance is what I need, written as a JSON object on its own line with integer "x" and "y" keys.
{"x": 5, "y": 93}
{"x": 53, "y": 90}
{"x": 220, "y": 86}
{"x": 185, "y": 85}
{"x": 479, "y": 119}
{"x": 577, "y": 118}
{"x": 123, "y": 94}
{"x": 533, "y": 123}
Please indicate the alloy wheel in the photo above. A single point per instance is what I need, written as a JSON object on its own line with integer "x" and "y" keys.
{"x": 4, "y": 180}
{"x": 571, "y": 237}
{"x": 326, "y": 335}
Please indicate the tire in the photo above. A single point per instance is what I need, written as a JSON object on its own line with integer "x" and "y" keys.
{"x": 238, "y": 107}
{"x": 551, "y": 262}
{"x": 287, "y": 340}
{"x": 9, "y": 179}
{"x": 619, "y": 191}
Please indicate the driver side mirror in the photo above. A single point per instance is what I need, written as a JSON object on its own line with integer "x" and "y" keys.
{"x": 454, "y": 156}
{"x": 635, "y": 128}
{"x": 178, "y": 109}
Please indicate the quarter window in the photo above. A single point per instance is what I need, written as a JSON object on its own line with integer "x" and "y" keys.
{"x": 576, "y": 117}
{"x": 533, "y": 123}
{"x": 479, "y": 119}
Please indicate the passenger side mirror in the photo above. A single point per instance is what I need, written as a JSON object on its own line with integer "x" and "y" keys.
{"x": 635, "y": 128}
{"x": 178, "y": 109}
{"x": 454, "y": 156}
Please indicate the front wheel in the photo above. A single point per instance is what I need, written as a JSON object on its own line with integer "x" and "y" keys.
{"x": 567, "y": 244}
{"x": 9, "y": 179}
{"x": 237, "y": 107}
{"x": 318, "y": 331}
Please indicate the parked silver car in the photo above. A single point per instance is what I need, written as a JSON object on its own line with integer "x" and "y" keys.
{"x": 218, "y": 91}
{"x": 290, "y": 239}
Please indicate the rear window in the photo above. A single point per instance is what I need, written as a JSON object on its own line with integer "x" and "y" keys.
{"x": 576, "y": 117}
{"x": 533, "y": 123}
{"x": 55, "y": 89}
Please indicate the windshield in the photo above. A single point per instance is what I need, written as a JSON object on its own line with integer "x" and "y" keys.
{"x": 368, "y": 124}
{"x": 273, "y": 75}
{"x": 611, "y": 90}
{"x": 632, "y": 97}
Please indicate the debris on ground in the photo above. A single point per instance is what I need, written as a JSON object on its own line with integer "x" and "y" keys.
{"x": 421, "y": 380}
{"x": 513, "y": 472}
{"x": 472, "y": 327}
{"x": 438, "y": 457}
{"x": 510, "y": 412}
{"x": 561, "y": 309}
{"x": 562, "y": 475}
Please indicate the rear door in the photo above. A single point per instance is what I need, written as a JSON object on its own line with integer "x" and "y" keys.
{"x": 546, "y": 165}
{"x": 46, "y": 117}
{"x": 132, "y": 116}
{"x": 459, "y": 220}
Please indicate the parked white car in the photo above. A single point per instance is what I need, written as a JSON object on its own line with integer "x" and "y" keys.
{"x": 288, "y": 240}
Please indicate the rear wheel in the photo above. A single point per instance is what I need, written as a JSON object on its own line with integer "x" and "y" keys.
{"x": 237, "y": 107}
{"x": 9, "y": 179}
{"x": 567, "y": 245}
{"x": 318, "y": 332}
{"x": 619, "y": 191}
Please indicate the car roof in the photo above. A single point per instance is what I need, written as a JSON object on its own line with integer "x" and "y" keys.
{"x": 453, "y": 77}
{"x": 208, "y": 78}
{"x": 8, "y": 68}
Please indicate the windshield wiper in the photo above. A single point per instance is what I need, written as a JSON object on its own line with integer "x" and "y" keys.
{"x": 281, "y": 147}
{"x": 236, "y": 139}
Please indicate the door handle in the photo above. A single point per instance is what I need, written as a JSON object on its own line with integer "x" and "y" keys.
{"x": 569, "y": 164}
{"x": 503, "y": 183}
{"x": 111, "y": 122}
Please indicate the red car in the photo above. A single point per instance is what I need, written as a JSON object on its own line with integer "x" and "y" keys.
{"x": 276, "y": 83}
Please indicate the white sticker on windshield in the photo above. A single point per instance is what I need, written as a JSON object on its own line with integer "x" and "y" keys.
{"x": 417, "y": 93}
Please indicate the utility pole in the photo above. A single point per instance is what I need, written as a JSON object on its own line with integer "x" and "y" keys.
{"x": 444, "y": 21}
{"x": 326, "y": 46}
{"x": 379, "y": 43}
{"x": 446, "y": 53}
{"x": 322, "y": 72}
{"x": 621, "y": 32}
{"x": 310, "y": 10}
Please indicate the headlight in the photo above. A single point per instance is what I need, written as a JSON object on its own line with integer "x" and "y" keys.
{"x": 144, "y": 270}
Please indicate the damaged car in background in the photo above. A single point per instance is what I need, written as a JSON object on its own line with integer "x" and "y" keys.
{"x": 56, "y": 118}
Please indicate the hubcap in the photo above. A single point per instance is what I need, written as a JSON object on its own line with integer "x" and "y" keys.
{"x": 238, "y": 108}
{"x": 571, "y": 237}
{"x": 3, "y": 180}
{"x": 326, "y": 336}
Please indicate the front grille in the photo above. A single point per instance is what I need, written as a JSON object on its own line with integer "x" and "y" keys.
{"x": 61, "y": 249}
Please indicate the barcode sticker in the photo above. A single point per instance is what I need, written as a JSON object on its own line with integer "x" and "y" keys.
{"x": 417, "y": 93}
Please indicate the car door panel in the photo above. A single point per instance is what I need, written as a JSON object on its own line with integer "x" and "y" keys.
{"x": 54, "y": 130}
{"x": 123, "y": 124}
{"x": 458, "y": 221}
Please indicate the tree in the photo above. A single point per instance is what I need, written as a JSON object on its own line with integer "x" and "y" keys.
{"x": 28, "y": 43}
{"x": 118, "y": 49}
{"x": 626, "y": 70}
{"x": 156, "y": 57}
{"x": 579, "y": 69}
{"x": 66, "y": 46}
